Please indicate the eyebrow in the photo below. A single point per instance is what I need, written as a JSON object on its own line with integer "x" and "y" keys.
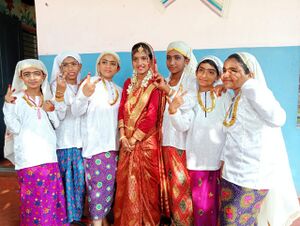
{"x": 210, "y": 69}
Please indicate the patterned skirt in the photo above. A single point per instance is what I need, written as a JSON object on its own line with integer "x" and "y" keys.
{"x": 205, "y": 187}
{"x": 71, "y": 167}
{"x": 42, "y": 196}
{"x": 179, "y": 190}
{"x": 100, "y": 171}
{"x": 239, "y": 205}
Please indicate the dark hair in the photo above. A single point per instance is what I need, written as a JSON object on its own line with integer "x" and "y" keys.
{"x": 238, "y": 58}
{"x": 211, "y": 63}
{"x": 146, "y": 48}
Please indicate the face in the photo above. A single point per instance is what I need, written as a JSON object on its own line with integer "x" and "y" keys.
{"x": 141, "y": 63}
{"x": 32, "y": 77}
{"x": 206, "y": 75}
{"x": 71, "y": 67}
{"x": 176, "y": 62}
{"x": 108, "y": 66}
{"x": 234, "y": 76}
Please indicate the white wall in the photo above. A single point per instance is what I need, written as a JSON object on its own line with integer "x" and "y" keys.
{"x": 96, "y": 25}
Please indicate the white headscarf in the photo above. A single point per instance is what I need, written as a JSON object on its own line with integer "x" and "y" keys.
{"x": 58, "y": 61}
{"x": 214, "y": 59}
{"x": 186, "y": 51}
{"x": 107, "y": 53}
{"x": 19, "y": 86}
{"x": 253, "y": 66}
{"x": 18, "y": 83}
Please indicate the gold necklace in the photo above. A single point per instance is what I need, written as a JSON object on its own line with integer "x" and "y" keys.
{"x": 116, "y": 91}
{"x": 213, "y": 102}
{"x": 233, "y": 117}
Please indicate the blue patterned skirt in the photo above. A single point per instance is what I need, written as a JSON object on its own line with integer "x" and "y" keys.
{"x": 71, "y": 167}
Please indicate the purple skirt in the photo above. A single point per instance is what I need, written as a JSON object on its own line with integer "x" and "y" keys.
{"x": 100, "y": 172}
{"x": 239, "y": 205}
{"x": 42, "y": 196}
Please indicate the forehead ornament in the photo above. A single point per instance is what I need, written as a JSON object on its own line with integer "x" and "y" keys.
{"x": 140, "y": 49}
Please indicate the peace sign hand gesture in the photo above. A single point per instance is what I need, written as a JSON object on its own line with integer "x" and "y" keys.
{"x": 9, "y": 98}
{"x": 177, "y": 101}
{"x": 61, "y": 84}
{"x": 89, "y": 87}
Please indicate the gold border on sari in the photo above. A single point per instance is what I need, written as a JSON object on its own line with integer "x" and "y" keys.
{"x": 138, "y": 109}
{"x": 139, "y": 135}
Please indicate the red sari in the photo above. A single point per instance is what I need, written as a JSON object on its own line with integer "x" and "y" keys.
{"x": 137, "y": 200}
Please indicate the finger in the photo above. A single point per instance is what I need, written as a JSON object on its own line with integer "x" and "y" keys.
{"x": 88, "y": 78}
{"x": 9, "y": 88}
{"x": 184, "y": 93}
{"x": 64, "y": 75}
{"x": 168, "y": 100}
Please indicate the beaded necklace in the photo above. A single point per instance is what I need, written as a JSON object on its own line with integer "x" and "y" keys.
{"x": 115, "y": 92}
{"x": 235, "y": 104}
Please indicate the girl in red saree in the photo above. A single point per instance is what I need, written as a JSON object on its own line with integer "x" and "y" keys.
{"x": 137, "y": 200}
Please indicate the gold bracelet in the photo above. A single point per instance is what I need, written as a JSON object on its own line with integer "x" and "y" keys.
{"x": 59, "y": 99}
{"x": 59, "y": 92}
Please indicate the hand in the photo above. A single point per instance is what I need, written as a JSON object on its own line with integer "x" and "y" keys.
{"x": 132, "y": 142}
{"x": 9, "y": 98}
{"x": 89, "y": 87}
{"x": 61, "y": 84}
{"x": 177, "y": 101}
{"x": 125, "y": 144}
{"x": 219, "y": 89}
{"x": 161, "y": 84}
{"x": 48, "y": 106}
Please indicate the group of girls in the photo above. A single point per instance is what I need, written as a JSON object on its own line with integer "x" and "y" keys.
{"x": 185, "y": 150}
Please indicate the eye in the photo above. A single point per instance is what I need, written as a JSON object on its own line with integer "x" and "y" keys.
{"x": 37, "y": 73}
{"x": 212, "y": 72}
{"x": 201, "y": 70}
{"x": 177, "y": 58}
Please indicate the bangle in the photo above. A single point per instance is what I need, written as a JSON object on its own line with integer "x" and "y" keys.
{"x": 59, "y": 99}
{"x": 122, "y": 137}
{"x": 59, "y": 92}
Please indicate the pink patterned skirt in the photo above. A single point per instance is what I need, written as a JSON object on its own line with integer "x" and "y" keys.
{"x": 42, "y": 196}
{"x": 205, "y": 187}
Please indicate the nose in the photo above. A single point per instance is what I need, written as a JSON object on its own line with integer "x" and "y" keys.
{"x": 224, "y": 75}
{"x": 172, "y": 61}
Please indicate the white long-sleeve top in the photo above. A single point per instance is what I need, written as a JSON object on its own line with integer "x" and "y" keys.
{"x": 99, "y": 118}
{"x": 34, "y": 138}
{"x": 205, "y": 134}
{"x": 254, "y": 144}
{"x": 171, "y": 136}
{"x": 69, "y": 131}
